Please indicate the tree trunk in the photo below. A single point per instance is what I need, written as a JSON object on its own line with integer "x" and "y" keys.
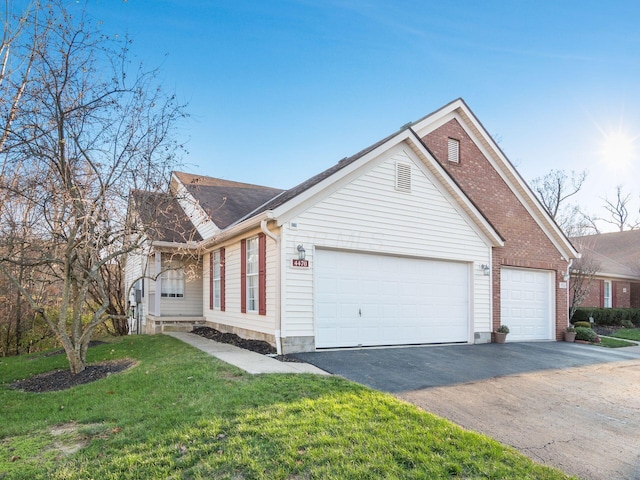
{"x": 76, "y": 363}
{"x": 76, "y": 353}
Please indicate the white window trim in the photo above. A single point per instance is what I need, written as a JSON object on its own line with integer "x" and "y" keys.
{"x": 217, "y": 280}
{"x": 172, "y": 279}
{"x": 607, "y": 300}
{"x": 252, "y": 275}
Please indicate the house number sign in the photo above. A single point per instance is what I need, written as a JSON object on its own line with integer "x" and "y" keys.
{"x": 300, "y": 263}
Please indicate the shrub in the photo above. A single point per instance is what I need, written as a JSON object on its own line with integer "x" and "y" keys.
{"x": 587, "y": 334}
{"x": 607, "y": 316}
{"x": 503, "y": 329}
{"x": 581, "y": 315}
{"x": 627, "y": 324}
{"x": 582, "y": 324}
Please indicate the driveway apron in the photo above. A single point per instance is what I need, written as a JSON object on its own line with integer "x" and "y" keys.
{"x": 575, "y": 407}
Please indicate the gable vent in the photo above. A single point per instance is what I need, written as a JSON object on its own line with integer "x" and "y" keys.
{"x": 454, "y": 150}
{"x": 403, "y": 177}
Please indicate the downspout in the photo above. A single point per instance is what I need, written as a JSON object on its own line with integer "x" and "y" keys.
{"x": 568, "y": 280}
{"x": 276, "y": 238}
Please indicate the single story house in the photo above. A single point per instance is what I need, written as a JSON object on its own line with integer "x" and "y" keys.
{"x": 614, "y": 260}
{"x": 428, "y": 236}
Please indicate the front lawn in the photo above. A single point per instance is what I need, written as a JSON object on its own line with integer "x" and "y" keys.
{"x": 179, "y": 413}
{"x": 609, "y": 342}
{"x": 628, "y": 334}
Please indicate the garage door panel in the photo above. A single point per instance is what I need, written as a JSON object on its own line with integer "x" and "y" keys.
{"x": 527, "y": 303}
{"x": 401, "y": 300}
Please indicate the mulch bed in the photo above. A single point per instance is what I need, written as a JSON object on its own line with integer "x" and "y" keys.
{"x": 605, "y": 330}
{"x": 258, "y": 346}
{"x": 63, "y": 379}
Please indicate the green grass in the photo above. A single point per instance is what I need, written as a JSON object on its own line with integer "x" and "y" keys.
{"x": 184, "y": 415}
{"x": 609, "y": 342}
{"x": 628, "y": 333}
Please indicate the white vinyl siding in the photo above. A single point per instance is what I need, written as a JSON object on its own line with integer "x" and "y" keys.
{"x": 232, "y": 316}
{"x": 191, "y": 303}
{"x": 370, "y": 215}
{"x": 134, "y": 271}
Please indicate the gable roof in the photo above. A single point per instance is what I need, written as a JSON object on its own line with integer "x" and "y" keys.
{"x": 233, "y": 204}
{"x": 163, "y": 218}
{"x": 224, "y": 201}
{"x": 459, "y": 110}
{"x": 617, "y": 253}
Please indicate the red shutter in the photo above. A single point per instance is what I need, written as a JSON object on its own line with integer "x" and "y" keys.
{"x": 614, "y": 296}
{"x": 222, "y": 275}
{"x": 601, "y": 293}
{"x": 243, "y": 276}
{"x": 262, "y": 274}
{"x": 211, "y": 281}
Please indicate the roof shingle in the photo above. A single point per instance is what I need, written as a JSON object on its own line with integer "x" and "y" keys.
{"x": 618, "y": 253}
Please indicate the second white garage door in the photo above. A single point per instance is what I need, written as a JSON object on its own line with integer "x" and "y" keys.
{"x": 527, "y": 303}
{"x": 365, "y": 299}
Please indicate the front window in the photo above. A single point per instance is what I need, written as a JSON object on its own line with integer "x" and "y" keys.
{"x": 172, "y": 279}
{"x": 606, "y": 298}
{"x": 252, "y": 274}
{"x": 216, "y": 279}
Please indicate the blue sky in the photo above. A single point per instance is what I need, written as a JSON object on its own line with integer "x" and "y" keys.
{"x": 281, "y": 90}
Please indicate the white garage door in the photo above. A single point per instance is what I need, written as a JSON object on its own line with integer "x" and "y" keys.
{"x": 364, "y": 299}
{"x": 527, "y": 303}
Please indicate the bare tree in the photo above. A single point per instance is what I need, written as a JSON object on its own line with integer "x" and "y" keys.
{"x": 618, "y": 210}
{"x": 554, "y": 189}
{"x": 113, "y": 281}
{"x": 583, "y": 271}
{"x": 82, "y": 126}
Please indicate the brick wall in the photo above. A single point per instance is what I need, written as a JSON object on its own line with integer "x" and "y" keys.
{"x": 621, "y": 294}
{"x": 635, "y": 295}
{"x": 526, "y": 245}
{"x": 594, "y": 295}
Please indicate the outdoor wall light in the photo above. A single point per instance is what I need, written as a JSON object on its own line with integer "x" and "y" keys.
{"x": 485, "y": 268}
{"x": 301, "y": 252}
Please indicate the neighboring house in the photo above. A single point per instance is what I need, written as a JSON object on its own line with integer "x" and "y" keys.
{"x": 616, "y": 269}
{"x": 428, "y": 236}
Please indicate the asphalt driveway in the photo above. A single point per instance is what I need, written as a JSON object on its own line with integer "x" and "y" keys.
{"x": 572, "y": 406}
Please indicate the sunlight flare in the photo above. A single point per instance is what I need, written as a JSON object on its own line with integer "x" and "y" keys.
{"x": 618, "y": 150}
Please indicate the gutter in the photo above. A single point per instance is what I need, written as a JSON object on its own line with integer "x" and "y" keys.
{"x": 278, "y": 312}
{"x": 231, "y": 232}
{"x": 237, "y": 229}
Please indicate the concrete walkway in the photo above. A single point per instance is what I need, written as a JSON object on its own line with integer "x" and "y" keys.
{"x": 248, "y": 361}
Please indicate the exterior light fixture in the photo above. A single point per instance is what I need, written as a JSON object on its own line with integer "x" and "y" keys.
{"x": 301, "y": 252}
{"x": 485, "y": 268}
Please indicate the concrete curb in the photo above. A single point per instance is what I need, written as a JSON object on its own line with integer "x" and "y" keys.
{"x": 248, "y": 361}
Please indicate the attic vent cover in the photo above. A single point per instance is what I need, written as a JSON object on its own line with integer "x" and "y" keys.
{"x": 454, "y": 150}
{"x": 403, "y": 177}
